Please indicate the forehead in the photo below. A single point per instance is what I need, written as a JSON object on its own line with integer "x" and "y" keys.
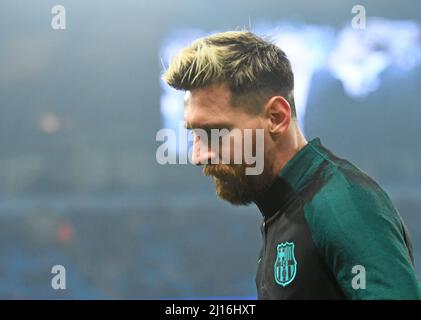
{"x": 207, "y": 105}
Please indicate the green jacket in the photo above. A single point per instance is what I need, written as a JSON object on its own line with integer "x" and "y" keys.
{"x": 330, "y": 232}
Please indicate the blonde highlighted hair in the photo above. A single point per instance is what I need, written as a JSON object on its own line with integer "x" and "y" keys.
{"x": 253, "y": 68}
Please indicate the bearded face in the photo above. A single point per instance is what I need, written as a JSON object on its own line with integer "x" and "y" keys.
{"x": 211, "y": 108}
{"x": 232, "y": 184}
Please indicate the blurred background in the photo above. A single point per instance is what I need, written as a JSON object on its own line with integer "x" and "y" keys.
{"x": 80, "y": 108}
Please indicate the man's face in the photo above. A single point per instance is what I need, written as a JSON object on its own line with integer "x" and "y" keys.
{"x": 210, "y": 108}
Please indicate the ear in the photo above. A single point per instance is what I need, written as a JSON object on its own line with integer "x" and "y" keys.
{"x": 278, "y": 113}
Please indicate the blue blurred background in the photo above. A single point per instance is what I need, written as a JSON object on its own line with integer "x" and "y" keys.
{"x": 80, "y": 108}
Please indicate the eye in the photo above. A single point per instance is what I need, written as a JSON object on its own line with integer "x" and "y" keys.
{"x": 224, "y": 131}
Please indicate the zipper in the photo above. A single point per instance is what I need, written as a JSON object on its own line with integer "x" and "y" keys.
{"x": 264, "y": 237}
{"x": 263, "y": 258}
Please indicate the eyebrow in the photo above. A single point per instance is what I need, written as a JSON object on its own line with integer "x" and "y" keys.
{"x": 206, "y": 126}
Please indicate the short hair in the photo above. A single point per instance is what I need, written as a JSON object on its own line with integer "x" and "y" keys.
{"x": 253, "y": 68}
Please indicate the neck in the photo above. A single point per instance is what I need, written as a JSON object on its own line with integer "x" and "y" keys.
{"x": 290, "y": 145}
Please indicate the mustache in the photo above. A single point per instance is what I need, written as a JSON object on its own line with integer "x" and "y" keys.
{"x": 223, "y": 170}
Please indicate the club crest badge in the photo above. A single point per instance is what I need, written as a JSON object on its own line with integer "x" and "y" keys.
{"x": 285, "y": 264}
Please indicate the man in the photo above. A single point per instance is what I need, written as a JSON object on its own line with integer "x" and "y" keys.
{"x": 329, "y": 231}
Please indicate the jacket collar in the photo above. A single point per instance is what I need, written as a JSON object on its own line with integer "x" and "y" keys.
{"x": 286, "y": 184}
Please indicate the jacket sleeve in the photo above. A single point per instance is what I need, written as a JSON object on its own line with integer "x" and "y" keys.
{"x": 359, "y": 231}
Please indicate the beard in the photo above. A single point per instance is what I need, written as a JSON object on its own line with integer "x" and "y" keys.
{"x": 233, "y": 185}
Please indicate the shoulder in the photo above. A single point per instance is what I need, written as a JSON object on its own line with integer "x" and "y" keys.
{"x": 350, "y": 201}
{"x": 354, "y": 223}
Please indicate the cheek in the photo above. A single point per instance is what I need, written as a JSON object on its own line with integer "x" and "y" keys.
{"x": 245, "y": 143}
{"x": 231, "y": 147}
{"x": 267, "y": 140}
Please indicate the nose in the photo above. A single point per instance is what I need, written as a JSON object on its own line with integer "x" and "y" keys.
{"x": 202, "y": 153}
